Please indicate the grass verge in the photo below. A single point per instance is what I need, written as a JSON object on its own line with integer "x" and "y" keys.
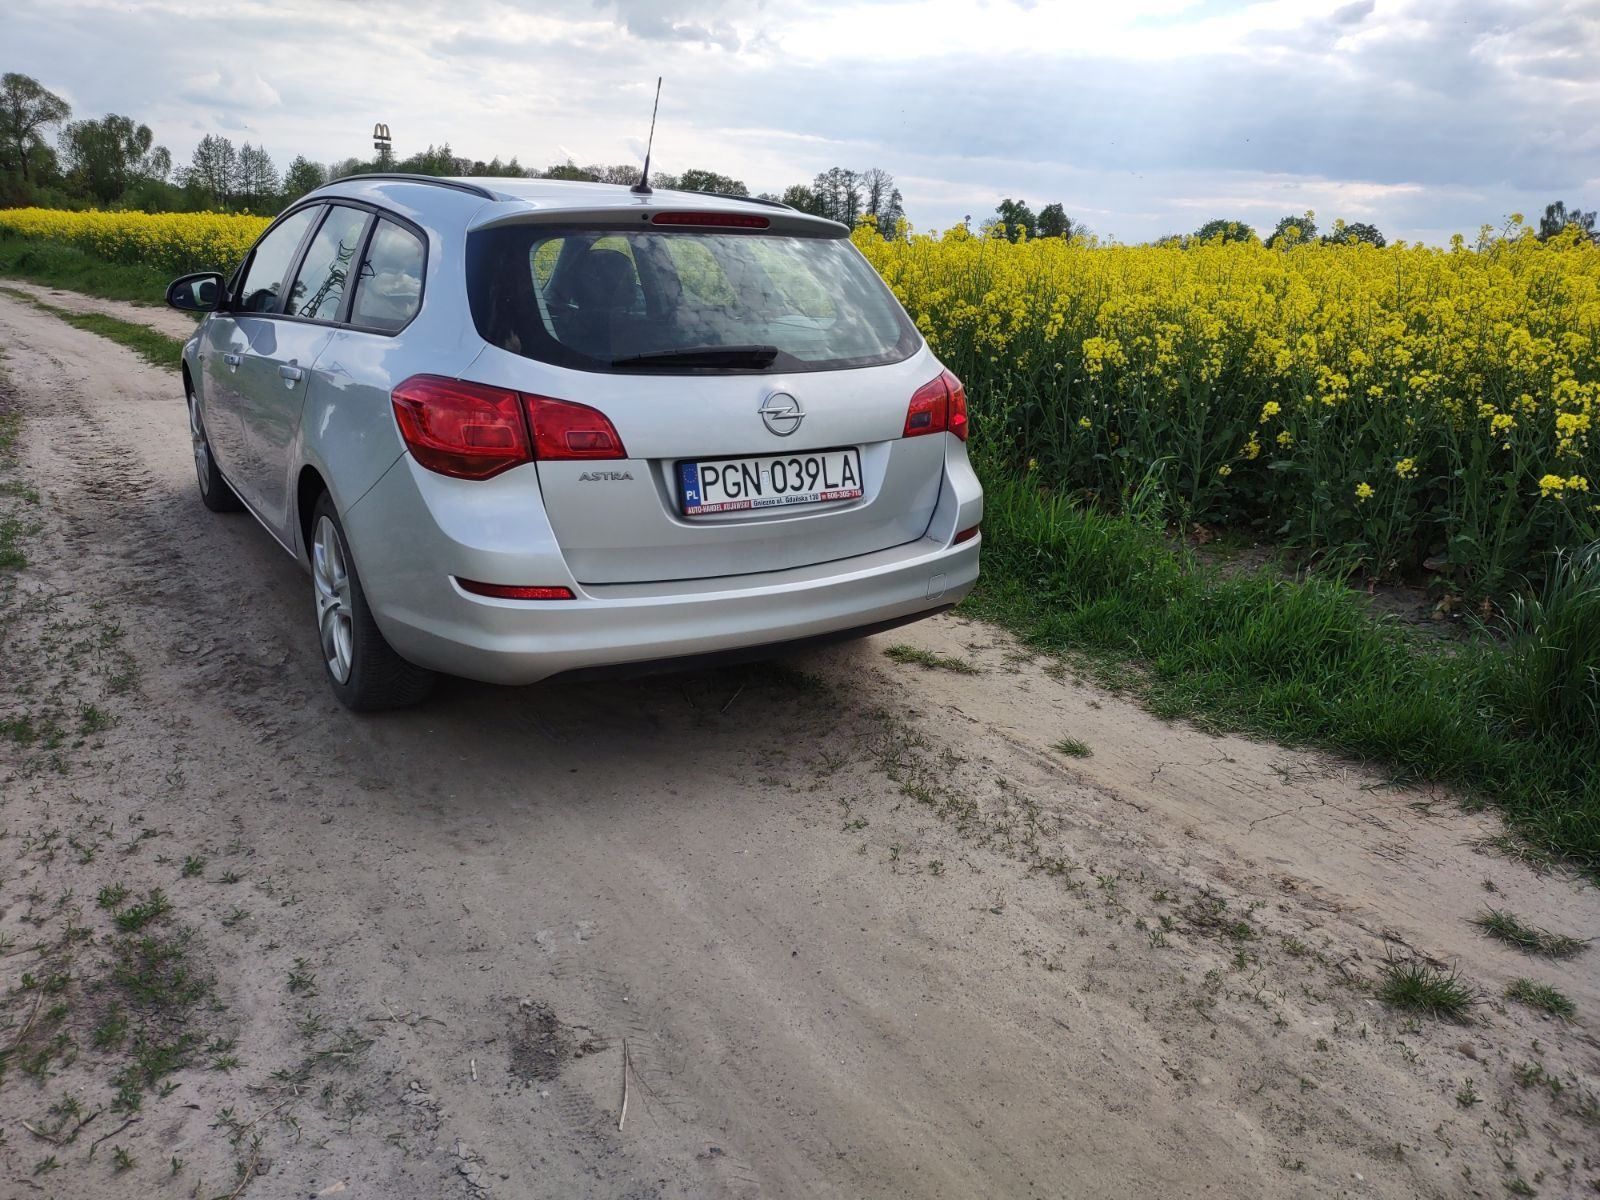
{"x": 66, "y": 266}
{"x": 1301, "y": 661}
{"x": 154, "y": 347}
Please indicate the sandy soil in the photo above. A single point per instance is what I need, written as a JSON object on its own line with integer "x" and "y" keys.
{"x": 157, "y": 316}
{"x": 846, "y": 927}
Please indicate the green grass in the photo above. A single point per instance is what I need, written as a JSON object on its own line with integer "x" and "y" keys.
{"x": 1414, "y": 986}
{"x": 1509, "y": 928}
{"x": 68, "y": 267}
{"x": 154, "y": 347}
{"x": 1541, "y": 996}
{"x": 1073, "y": 748}
{"x": 929, "y": 660}
{"x": 1306, "y": 662}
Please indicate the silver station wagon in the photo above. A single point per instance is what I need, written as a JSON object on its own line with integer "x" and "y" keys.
{"x": 519, "y": 428}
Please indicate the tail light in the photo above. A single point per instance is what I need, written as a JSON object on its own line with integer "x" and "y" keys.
{"x": 562, "y": 429}
{"x": 472, "y": 431}
{"x": 461, "y": 429}
{"x": 938, "y": 406}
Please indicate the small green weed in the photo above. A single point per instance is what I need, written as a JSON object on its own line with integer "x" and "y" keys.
{"x": 1509, "y": 928}
{"x": 927, "y": 659}
{"x": 1414, "y": 986}
{"x": 1543, "y": 997}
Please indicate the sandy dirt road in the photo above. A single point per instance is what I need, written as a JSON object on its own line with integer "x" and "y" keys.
{"x": 846, "y": 927}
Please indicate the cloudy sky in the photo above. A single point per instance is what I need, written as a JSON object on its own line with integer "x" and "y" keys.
{"x": 1143, "y": 117}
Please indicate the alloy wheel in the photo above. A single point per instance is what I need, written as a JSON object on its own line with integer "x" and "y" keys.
{"x": 330, "y": 575}
{"x": 202, "y": 448}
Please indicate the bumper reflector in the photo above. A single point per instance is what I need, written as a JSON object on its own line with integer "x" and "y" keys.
{"x": 966, "y": 535}
{"x": 515, "y": 591}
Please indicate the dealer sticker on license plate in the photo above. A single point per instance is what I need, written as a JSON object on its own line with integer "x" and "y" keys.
{"x": 732, "y": 484}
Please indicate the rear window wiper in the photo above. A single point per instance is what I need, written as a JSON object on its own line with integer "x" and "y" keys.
{"x": 754, "y": 357}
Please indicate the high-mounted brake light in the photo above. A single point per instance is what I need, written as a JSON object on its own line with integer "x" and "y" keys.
{"x": 721, "y": 220}
{"x": 472, "y": 431}
{"x": 514, "y": 591}
{"x": 938, "y": 406}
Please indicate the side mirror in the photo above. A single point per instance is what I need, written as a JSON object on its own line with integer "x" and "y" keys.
{"x": 200, "y": 292}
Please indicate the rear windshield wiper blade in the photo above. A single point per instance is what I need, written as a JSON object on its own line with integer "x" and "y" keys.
{"x": 757, "y": 357}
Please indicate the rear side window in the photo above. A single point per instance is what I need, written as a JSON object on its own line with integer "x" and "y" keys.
{"x": 270, "y": 261}
{"x": 389, "y": 291}
{"x": 318, "y": 292}
{"x": 682, "y": 302}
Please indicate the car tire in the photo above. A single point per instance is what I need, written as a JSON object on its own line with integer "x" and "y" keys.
{"x": 215, "y": 492}
{"x": 363, "y": 669}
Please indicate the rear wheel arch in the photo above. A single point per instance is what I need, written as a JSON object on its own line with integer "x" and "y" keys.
{"x": 308, "y": 489}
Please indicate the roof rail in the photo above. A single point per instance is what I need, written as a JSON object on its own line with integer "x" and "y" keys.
{"x": 472, "y": 189}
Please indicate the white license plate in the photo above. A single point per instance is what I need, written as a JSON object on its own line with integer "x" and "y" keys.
{"x": 779, "y": 481}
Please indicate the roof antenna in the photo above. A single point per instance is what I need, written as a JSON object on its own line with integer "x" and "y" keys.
{"x": 642, "y": 188}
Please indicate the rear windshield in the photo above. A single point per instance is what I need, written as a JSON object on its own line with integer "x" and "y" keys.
{"x": 682, "y": 302}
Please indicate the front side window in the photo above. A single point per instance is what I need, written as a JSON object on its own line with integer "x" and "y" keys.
{"x": 319, "y": 286}
{"x": 264, "y": 278}
{"x": 682, "y": 302}
{"x": 389, "y": 291}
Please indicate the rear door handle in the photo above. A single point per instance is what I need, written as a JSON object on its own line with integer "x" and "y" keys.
{"x": 231, "y": 359}
{"x": 292, "y": 374}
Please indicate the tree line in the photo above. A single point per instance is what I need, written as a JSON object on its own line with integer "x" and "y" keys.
{"x": 47, "y": 158}
{"x": 113, "y": 161}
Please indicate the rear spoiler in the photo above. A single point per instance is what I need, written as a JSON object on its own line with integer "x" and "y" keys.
{"x": 659, "y": 212}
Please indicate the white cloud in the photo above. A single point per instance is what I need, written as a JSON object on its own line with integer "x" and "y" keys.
{"x": 230, "y": 89}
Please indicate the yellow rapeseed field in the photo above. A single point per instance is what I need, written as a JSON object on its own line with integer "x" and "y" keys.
{"x": 175, "y": 242}
{"x": 1385, "y": 407}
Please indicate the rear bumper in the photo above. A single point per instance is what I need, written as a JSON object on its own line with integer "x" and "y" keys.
{"x": 406, "y": 561}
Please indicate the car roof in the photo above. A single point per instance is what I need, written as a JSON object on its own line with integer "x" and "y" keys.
{"x": 513, "y": 198}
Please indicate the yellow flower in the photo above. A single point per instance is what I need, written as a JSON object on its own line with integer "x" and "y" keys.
{"x": 1406, "y": 468}
{"x": 1269, "y": 410}
{"x": 1552, "y": 485}
{"x": 1085, "y": 423}
{"x": 1285, "y": 439}
{"x": 1224, "y": 470}
{"x": 1363, "y": 492}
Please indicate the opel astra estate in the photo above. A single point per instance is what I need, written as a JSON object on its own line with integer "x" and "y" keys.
{"x": 519, "y": 428}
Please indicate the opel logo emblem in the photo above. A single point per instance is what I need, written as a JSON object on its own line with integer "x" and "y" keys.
{"x": 782, "y": 413}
